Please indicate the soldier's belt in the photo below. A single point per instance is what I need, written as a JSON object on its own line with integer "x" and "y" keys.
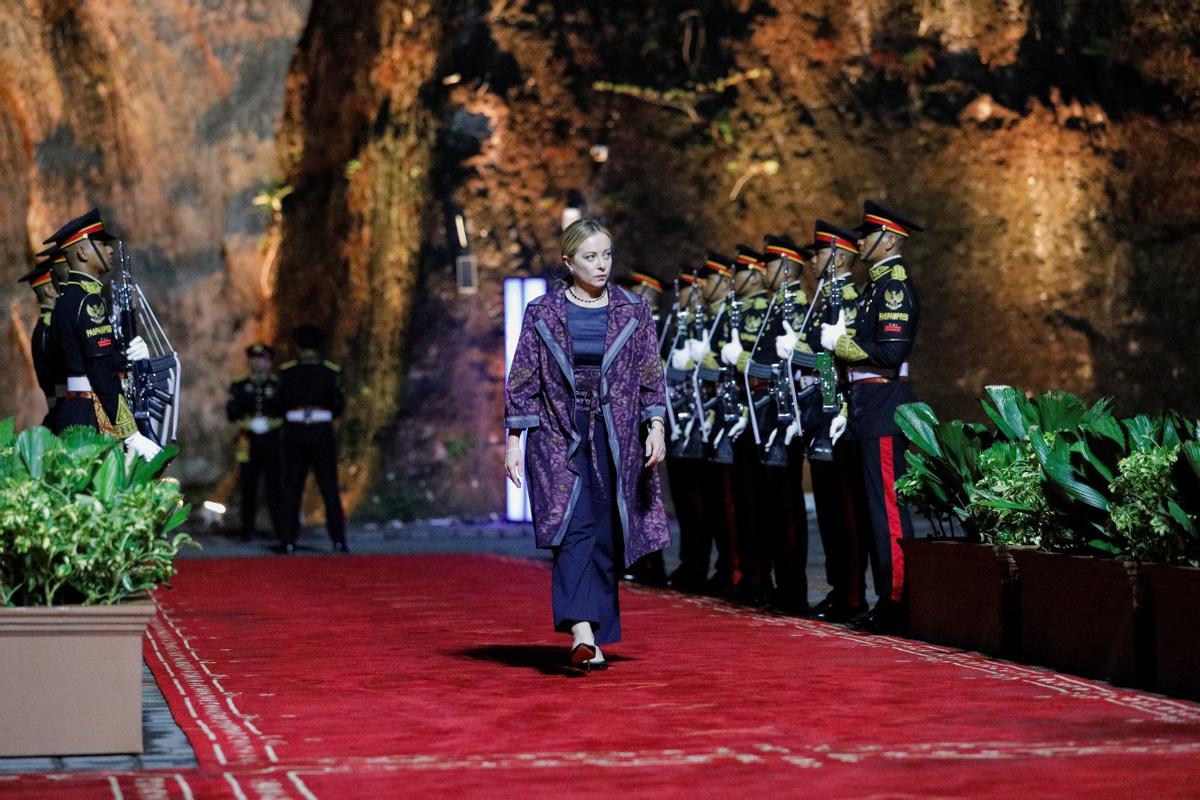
{"x": 764, "y": 372}
{"x": 808, "y": 360}
{"x": 308, "y": 416}
{"x": 79, "y": 396}
{"x": 678, "y": 375}
{"x": 78, "y": 383}
{"x": 861, "y": 381}
{"x": 708, "y": 374}
{"x": 860, "y": 374}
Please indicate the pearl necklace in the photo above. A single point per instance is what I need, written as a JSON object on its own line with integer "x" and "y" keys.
{"x": 571, "y": 291}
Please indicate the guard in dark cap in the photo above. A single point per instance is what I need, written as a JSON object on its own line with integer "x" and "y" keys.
{"x": 783, "y": 511}
{"x": 46, "y": 365}
{"x": 876, "y": 356}
{"x": 735, "y": 343}
{"x": 82, "y": 327}
{"x": 717, "y": 476}
{"x": 310, "y": 393}
{"x": 254, "y": 406}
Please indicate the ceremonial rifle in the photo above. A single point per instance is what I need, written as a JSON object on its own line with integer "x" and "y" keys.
{"x": 151, "y": 385}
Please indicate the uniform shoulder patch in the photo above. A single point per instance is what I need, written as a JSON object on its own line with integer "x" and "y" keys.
{"x": 893, "y": 298}
{"x": 240, "y": 379}
{"x": 287, "y": 365}
{"x": 333, "y": 366}
{"x": 899, "y": 273}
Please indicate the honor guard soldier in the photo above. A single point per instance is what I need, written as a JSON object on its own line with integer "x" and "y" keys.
{"x": 783, "y": 511}
{"x": 831, "y": 465}
{"x": 876, "y": 355}
{"x": 716, "y": 475}
{"x": 650, "y": 569}
{"x": 83, "y": 331}
{"x": 735, "y": 343}
{"x": 46, "y": 366}
{"x": 254, "y": 406}
{"x": 685, "y": 474}
{"x": 310, "y": 392}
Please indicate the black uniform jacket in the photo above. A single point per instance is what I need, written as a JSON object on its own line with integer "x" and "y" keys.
{"x": 309, "y": 382}
{"x": 885, "y": 328}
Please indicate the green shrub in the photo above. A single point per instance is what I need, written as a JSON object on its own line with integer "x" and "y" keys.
{"x": 80, "y": 522}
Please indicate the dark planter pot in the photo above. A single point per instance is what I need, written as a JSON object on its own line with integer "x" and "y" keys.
{"x": 1172, "y": 597}
{"x": 1079, "y": 614}
{"x": 961, "y": 594}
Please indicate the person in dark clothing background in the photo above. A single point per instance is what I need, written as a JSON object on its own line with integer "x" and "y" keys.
{"x": 310, "y": 393}
{"x": 254, "y": 406}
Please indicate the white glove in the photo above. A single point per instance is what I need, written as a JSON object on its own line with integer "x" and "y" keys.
{"x": 259, "y": 425}
{"x": 137, "y": 350}
{"x": 784, "y": 345}
{"x": 680, "y": 358}
{"x": 731, "y": 351}
{"x": 837, "y": 428}
{"x": 697, "y": 348}
{"x": 687, "y": 430}
{"x": 770, "y": 440}
{"x": 831, "y": 333}
{"x": 792, "y": 431}
{"x": 738, "y": 428}
{"x": 140, "y": 445}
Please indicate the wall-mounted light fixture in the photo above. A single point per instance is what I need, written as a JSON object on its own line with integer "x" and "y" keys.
{"x": 466, "y": 268}
{"x": 517, "y": 294}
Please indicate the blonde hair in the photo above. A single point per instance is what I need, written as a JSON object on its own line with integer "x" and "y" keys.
{"x": 579, "y": 232}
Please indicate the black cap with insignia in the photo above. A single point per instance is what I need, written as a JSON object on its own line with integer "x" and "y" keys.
{"x": 310, "y": 337}
{"x": 86, "y": 226}
{"x": 876, "y": 218}
{"x": 259, "y": 349}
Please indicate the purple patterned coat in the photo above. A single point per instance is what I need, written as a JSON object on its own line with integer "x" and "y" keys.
{"x": 540, "y": 398}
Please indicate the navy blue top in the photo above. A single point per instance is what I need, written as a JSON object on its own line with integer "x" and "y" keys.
{"x": 587, "y": 327}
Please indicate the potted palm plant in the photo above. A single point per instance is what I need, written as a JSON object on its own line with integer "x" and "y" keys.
{"x": 85, "y": 534}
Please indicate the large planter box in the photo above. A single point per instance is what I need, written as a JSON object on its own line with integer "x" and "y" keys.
{"x": 71, "y": 679}
{"x": 1079, "y": 614}
{"x": 961, "y": 594}
{"x": 1173, "y": 595}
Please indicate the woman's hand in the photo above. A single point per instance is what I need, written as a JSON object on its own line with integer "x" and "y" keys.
{"x": 514, "y": 462}
{"x": 656, "y": 446}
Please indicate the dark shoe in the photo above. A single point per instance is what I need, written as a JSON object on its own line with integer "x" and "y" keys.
{"x": 596, "y": 665}
{"x": 885, "y": 618}
{"x": 826, "y": 609}
{"x": 582, "y": 654}
{"x": 341, "y": 547}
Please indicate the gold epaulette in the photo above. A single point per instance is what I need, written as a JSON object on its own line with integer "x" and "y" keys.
{"x": 91, "y": 287}
{"x": 241, "y": 378}
{"x": 849, "y": 292}
{"x": 333, "y": 366}
{"x": 287, "y": 365}
{"x": 899, "y": 273}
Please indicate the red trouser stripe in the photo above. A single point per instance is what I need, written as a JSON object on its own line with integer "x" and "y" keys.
{"x": 895, "y": 530}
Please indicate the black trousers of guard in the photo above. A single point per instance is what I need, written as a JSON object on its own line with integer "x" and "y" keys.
{"x": 882, "y": 462}
{"x": 748, "y": 503}
{"x": 695, "y": 536}
{"x": 784, "y": 517}
{"x": 834, "y": 485}
{"x": 311, "y": 447}
{"x": 717, "y": 513}
{"x": 263, "y": 464}
{"x": 75, "y": 411}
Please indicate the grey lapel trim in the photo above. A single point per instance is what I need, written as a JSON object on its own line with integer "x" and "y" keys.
{"x": 617, "y": 344}
{"x": 556, "y": 352}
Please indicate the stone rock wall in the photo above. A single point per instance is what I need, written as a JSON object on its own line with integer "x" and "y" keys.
{"x": 165, "y": 115}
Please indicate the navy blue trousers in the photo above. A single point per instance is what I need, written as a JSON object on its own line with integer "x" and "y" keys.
{"x": 586, "y": 565}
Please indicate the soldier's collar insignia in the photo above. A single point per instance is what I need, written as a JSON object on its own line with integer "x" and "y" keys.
{"x": 879, "y": 270}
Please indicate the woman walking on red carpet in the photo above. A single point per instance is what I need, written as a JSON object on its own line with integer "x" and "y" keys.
{"x": 586, "y": 382}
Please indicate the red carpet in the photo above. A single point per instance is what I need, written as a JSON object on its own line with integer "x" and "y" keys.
{"x": 437, "y": 676}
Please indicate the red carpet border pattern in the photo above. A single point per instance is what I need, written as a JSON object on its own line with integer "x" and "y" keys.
{"x": 438, "y": 676}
